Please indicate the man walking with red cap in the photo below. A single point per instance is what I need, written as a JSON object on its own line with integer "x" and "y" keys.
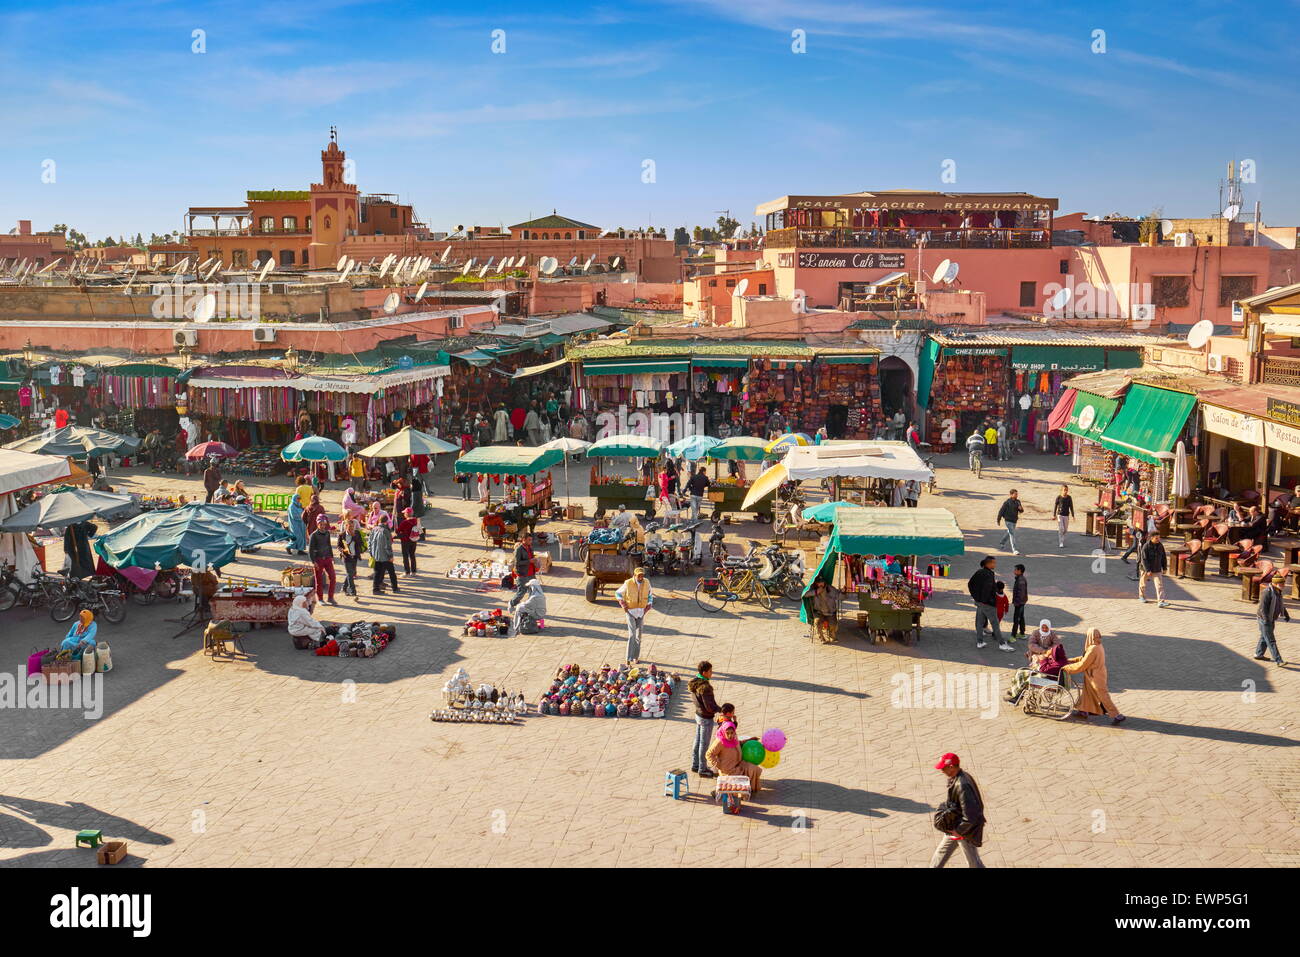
{"x": 961, "y": 817}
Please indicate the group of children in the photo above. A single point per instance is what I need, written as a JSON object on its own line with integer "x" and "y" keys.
{"x": 1019, "y": 598}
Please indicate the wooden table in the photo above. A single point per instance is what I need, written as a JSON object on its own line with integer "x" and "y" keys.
{"x": 1223, "y": 551}
{"x": 1249, "y": 583}
{"x": 1090, "y": 521}
{"x": 1117, "y": 525}
{"x": 259, "y": 609}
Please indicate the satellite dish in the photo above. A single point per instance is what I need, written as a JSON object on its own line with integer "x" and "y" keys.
{"x": 206, "y": 308}
{"x": 265, "y": 269}
{"x": 740, "y": 287}
{"x": 445, "y": 253}
{"x": 390, "y": 303}
{"x": 573, "y": 262}
{"x": 484, "y": 271}
{"x": 940, "y": 273}
{"x": 548, "y": 265}
{"x": 1231, "y": 212}
{"x": 618, "y": 262}
{"x": 424, "y": 286}
{"x": 523, "y": 260}
{"x": 347, "y": 270}
{"x": 1200, "y": 334}
{"x": 383, "y": 267}
{"x": 255, "y": 264}
{"x": 1061, "y": 298}
{"x": 1166, "y": 227}
{"x": 469, "y": 264}
{"x": 953, "y": 269}
{"x": 343, "y": 261}
{"x": 216, "y": 268}
{"x": 488, "y": 264}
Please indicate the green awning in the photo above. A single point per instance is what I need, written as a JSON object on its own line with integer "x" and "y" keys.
{"x": 507, "y": 460}
{"x": 144, "y": 370}
{"x": 741, "y": 448}
{"x": 475, "y": 357}
{"x": 1090, "y": 425}
{"x": 1148, "y": 423}
{"x": 10, "y": 384}
{"x": 1052, "y": 358}
{"x": 863, "y": 360}
{"x": 721, "y": 362}
{"x": 635, "y": 366}
{"x": 550, "y": 339}
{"x": 1123, "y": 358}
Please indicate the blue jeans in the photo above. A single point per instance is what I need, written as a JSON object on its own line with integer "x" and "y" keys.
{"x": 1267, "y": 641}
{"x": 987, "y": 615}
{"x": 703, "y": 741}
{"x": 1009, "y": 537}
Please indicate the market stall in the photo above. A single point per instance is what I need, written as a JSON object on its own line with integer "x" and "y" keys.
{"x": 76, "y": 441}
{"x": 18, "y": 471}
{"x": 966, "y": 386}
{"x": 883, "y": 461}
{"x": 196, "y": 535}
{"x": 611, "y": 491}
{"x": 262, "y": 605}
{"x": 872, "y": 554}
{"x": 731, "y": 494}
{"x": 527, "y": 493}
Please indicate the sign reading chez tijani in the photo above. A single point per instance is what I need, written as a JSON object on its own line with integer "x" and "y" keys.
{"x": 847, "y": 260}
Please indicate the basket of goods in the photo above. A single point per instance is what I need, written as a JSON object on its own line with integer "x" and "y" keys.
{"x": 297, "y": 576}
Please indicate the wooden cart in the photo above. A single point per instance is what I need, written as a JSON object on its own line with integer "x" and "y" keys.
{"x": 607, "y": 566}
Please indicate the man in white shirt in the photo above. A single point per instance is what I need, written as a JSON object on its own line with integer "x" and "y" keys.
{"x": 636, "y": 598}
{"x": 621, "y": 519}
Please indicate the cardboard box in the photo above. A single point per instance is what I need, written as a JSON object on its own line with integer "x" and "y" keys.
{"x": 543, "y": 563}
{"x": 573, "y": 512}
{"x": 112, "y": 852}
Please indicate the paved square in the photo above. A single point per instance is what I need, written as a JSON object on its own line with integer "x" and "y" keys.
{"x": 291, "y": 759}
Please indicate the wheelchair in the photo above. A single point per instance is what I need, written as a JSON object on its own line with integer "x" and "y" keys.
{"x": 1051, "y": 696}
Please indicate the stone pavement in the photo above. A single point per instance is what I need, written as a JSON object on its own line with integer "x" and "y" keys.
{"x": 291, "y": 759}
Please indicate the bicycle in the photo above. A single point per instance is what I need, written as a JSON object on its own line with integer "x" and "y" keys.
{"x": 733, "y": 583}
{"x": 976, "y": 462}
{"x": 926, "y": 451}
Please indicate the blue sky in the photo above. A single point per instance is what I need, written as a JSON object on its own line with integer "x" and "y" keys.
{"x": 140, "y": 127}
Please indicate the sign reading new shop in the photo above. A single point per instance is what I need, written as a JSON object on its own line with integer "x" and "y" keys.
{"x": 851, "y": 260}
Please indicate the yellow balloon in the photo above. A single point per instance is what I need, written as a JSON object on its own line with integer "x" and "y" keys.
{"x": 772, "y": 759}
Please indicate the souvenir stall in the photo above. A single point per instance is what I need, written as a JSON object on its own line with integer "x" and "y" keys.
{"x": 968, "y": 389}
{"x": 148, "y": 392}
{"x": 883, "y": 461}
{"x": 783, "y": 386}
{"x": 845, "y": 397}
{"x": 64, "y": 384}
{"x": 635, "y": 384}
{"x": 732, "y": 494}
{"x": 610, "y": 490}
{"x": 717, "y": 387}
{"x": 238, "y": 600}
{"x": 1038, "y": 377}
{"x": 873, "y": 555}
{"x": 515, "y": 471}
{"x": 19, "y": 471}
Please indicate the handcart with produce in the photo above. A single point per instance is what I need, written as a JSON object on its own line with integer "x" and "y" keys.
{"x": 609, "y": 490}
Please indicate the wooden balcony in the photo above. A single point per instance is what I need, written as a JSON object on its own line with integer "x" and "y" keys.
{"x": 1277, "y": 370}
{"x": 893, "y": 237}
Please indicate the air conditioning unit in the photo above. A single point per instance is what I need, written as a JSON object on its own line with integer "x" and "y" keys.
{"x": 457, "y": 321}
{"x": 1184, "y": 239}
{"x": 185, "y": 337}
{"x": 1216, "y": 361}
{"x": 1142, "y": 312}
{"x": 264, "y": 334}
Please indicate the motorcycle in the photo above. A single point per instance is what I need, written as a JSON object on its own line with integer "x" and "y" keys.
{"x": 37, "y": 593}
{"x": 94, "y": 594}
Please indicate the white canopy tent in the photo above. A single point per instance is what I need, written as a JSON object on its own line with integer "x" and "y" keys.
{"x": 884, "y": 460}
{"x": 20, "y": 470}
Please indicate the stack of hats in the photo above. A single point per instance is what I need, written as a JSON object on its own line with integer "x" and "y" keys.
{"x": 624, "y": 692}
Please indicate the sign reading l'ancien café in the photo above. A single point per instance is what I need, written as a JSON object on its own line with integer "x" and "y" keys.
{"x": 851, "y": 260}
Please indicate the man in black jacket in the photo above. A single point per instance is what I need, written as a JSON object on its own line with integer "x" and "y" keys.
{"x": 982, "y": 587}
{"x": 1009, "y": 515}
{"x": 1153, "y": 562}
{"x": 320, "y": 549}
{"x": 697, "y": 485}
{"x": 968, "y": 832}
{"x": 1271, "y": 608}
{"x": 706, "y": 706}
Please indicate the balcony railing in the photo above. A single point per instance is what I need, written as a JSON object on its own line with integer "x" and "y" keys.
{"x": 278, "y": 231}
{"x": 894, "y": 237}
{"x": 1276, "y": 370}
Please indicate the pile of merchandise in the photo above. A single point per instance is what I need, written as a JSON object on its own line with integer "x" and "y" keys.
{"x": 485, "y": 704}
{"x": 479, "y": 569}
{"x": 606, "y": 536}
{"x": 494, "y": 622}
{"x": 624, "y": 692}
{"x": 361, "y": 639}
{"x": 259, "y": 460}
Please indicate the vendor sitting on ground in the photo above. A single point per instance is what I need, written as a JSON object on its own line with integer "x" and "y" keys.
{"x": 826, "y": 611}
{"x": 530, "y": 600}
{"x": 724, "y": 757}
{"x": 240, "y": 494}
{"x": 81, "y": 635}
{"x": 1046, "y": 656}
{"x": 223, "y": 495}
{"x": 301, "y": 623}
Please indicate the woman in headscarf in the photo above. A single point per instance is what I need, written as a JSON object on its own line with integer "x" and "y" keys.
{"x": 407, "y": 535}
{"x": 351, "y": 508}
{"x": 297, "y": 528}
{"x": 1096, "y": 695}
{"x": 301, "y": 623}
{"x": 724, "y": 757}
{"x": 1046, "y": 656}
{"x": 314, "y": 511}
{"x": 533, "y": 602}
{"x": 374, "y": 515}
{"x": 81, "y": 635}
{"x": 401, "y": 498}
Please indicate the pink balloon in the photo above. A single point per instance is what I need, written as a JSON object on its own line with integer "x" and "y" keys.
{"x": 773, "y": 739}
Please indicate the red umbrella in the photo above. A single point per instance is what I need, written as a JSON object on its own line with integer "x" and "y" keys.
{"x": 214, "y": 450}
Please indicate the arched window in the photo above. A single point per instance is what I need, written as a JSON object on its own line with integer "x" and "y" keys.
{"x": 546, "y": 235}
{"x": 568, "y": 235}
{"x": 327, "y": 222}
